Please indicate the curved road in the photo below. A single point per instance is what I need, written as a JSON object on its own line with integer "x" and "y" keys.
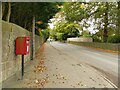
{"x": 105, "y": 62}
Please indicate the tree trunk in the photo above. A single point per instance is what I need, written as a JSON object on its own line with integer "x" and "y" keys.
{"x": 3, "y": 8}
{"x": 25, "y": 24}
{"x": 105, "y": 31}
{"x": 9, "y": 12}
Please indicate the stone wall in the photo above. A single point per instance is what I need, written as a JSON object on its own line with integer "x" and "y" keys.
{"x": 11, "y": 63}
{"x": 105, "y": 46}
{"x": 80, "y": 39}
{"x": 38, "y": 43}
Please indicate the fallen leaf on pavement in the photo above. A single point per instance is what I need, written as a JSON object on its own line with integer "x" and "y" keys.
{"x": 36, "y": 81}
{"x": 41, "y": 62}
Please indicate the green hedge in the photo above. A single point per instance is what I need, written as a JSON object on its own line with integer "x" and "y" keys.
{"x": 114, "y": 39}
{"x": 106, "y": 46}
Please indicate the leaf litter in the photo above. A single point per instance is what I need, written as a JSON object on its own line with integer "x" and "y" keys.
{"x": 39, "y": 82}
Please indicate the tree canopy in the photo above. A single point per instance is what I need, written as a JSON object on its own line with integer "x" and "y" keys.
{"x": 104, "y": 16}
{"x": 22, "y": 13}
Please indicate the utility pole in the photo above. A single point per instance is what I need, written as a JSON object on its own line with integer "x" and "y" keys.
{"x": 33, "y": 38}
{"x": 1, "y": 45}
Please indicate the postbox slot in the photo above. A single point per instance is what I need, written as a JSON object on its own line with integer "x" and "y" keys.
{"x": 27, "y": 41}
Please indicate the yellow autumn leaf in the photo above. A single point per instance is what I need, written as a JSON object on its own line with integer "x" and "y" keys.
{"x": 39, "y": 22}
{"x": 82, "y": 6}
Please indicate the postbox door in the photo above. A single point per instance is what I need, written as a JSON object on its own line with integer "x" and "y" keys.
{"x": 22, "y": 45}
{"x": 19, "y": 45}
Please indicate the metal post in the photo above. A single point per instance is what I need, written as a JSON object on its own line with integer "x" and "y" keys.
{"x": 22, "y": 67}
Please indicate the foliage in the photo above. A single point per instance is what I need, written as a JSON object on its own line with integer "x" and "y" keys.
{"x": 114, "y": 39}
{"x": 60, "y": 36}
{"x": 53, "y": 34}
{"x": 96, "y": 39}
{"x": 75, "y": 11}
{"x": 22, "y": 13}
{"x": 86, "y": 33}
{"x": 104, "y": 15}
{"x": 45, "y": 33}
{"x": 65, "y": 30}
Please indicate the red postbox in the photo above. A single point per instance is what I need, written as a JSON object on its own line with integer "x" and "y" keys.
{"x": 22, "y": 45}
{"x": 22, "y": 48}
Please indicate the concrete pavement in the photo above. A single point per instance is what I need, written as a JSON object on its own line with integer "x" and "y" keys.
{"x": 54, "y": 69}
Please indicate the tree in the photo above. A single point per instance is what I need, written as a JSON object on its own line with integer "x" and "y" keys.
{"x": 105, "y": 35}
{"x": 74, "y": 11}
{"x": 26, "y": 14}
{"x": 6, "y": 14}
{"x": 104, "y": 18}
{"x": 9, "y": 12}
{"x": 22, "y": 13}
{"x": 65, "y": 30}
{"x": 79, "y": 12}
{"x": 3, "y": 9}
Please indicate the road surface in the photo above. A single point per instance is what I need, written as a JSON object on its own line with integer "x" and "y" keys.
{"x": 60, "y": 65}
{"x": 107, "y": 63}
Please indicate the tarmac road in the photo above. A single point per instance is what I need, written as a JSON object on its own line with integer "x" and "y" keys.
{"x": 107, "y": 63}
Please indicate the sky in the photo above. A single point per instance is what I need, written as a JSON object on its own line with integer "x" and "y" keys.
{"x": 91, "y": 28}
